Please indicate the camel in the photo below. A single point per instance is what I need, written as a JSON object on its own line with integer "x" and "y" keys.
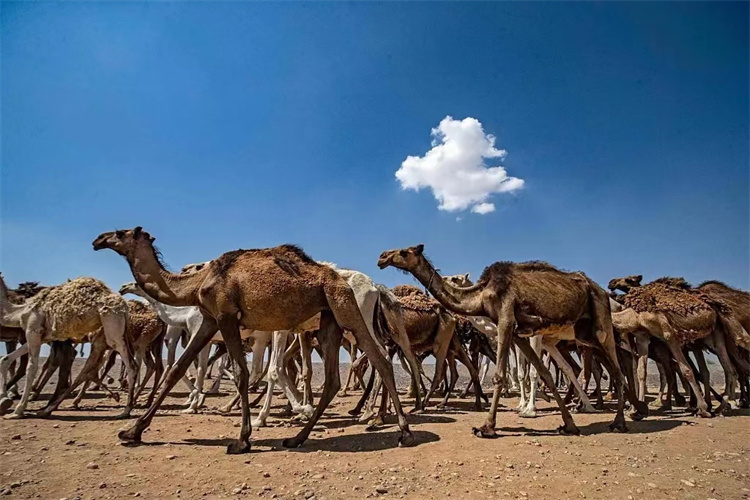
{"x": 670, "y": 310}
{"x": 430, "y": 329}
{"x": 190, "y": 319}
{"x": 547, "y": 341}
{"x": 15, "y": 336}
{"x": 672, "y": 315}
{"x": 531, "y": 295}
{"x": 66, "y": 312}
{"x": 264, "y": 289}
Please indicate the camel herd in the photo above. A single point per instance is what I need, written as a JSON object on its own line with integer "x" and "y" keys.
{"x": 527, "y": 318}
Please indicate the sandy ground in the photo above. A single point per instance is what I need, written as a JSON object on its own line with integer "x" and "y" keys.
{"x": 76, "y": 454}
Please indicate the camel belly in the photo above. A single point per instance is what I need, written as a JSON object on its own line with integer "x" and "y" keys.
{"x": 559, "y": 332}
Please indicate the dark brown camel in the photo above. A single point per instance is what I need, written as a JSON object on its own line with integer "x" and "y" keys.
{"x": 532, "y": 296}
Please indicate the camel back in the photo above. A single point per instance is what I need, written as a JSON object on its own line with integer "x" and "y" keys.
{"x": 412, "y": 297}
{"x": 664, "y": 298}
{"x": 74, "y": 307}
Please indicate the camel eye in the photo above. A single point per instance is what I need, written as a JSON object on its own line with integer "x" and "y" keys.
{"x": 402, "y": 253}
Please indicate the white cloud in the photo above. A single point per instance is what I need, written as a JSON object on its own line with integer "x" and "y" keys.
{"x": 455, "y": 168}
{"x": 483, "y": 208}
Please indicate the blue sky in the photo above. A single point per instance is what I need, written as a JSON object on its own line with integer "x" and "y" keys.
{"x": 242, "y": 125}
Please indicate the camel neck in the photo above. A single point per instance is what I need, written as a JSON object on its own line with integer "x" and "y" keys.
{"x": 10, "y": 314}
{"x": 456, "y": 299}
{"x": 161, "y": 285}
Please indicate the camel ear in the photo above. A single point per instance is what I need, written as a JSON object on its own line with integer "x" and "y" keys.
{"x": 137, "y": 231}
{"x": 639, "y": 278}
{"x": 420, "y": 249}
{"x": 466, "y": 276}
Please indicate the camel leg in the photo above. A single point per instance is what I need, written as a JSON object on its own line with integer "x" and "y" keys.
{"x": 449, "y": 365}
{"x": 305, "y": 343}
{"x": 49, "y": 368}
{"x": 464, "y": 358}
{"x": 352, "y": 360}
{"x": 569, "y": 426}
{"x": 33, "y": 344}
{"x": 687, "y": 372}
{"x": 662, "y": 383}
{"x": 65, "y": 354}
{"x": 5, "y": 364}
{"x": 196, "y": 397}
{"x": 730, "y": 371}
{"x": 585, "y": 404}
{"x": 156, "y": 351}
{"x": 529, "y": 411}
{"x": 365, "y": 394}
{"x": 642, "y": 341}
{"x": 505, "y": 324}
{"x": 199, "y": 340}
{"x": 111, "y": 358}
{"x": 278, "y": 346}
{"x": 704, "y": 374}
{"x": 329, "y": 338}
{"x": 114, "y": 333}
{"x": 88, "y": 372}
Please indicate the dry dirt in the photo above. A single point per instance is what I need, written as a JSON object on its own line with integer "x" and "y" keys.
{"x": 76, "y": 454}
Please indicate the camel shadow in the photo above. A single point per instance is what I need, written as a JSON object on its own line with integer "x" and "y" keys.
{"x": 354, "y": 443}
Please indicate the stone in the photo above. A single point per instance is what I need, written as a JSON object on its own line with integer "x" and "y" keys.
{"x": 92, "y": 465}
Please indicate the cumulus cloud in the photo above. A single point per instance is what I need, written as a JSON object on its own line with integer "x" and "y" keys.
{"x": 455, "y": 168}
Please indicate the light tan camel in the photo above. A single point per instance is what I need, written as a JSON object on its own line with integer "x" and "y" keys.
{"x": 67, "y": 312}
{"x": 266, "y": 289}
{"x": 533, "y": 296}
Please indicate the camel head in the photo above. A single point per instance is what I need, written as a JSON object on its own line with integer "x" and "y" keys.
{"x": 406, "y": 258}
{"x": 130, "y": 287}
{"x": 626, "y": 283}
{"x": 460, "y": 280}
{"x": 124, "y": 241}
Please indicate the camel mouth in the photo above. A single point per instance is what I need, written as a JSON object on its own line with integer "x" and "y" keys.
{"x": 383, "y": 263}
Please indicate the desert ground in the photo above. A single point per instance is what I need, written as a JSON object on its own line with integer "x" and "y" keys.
{"x": 75, "y": 454}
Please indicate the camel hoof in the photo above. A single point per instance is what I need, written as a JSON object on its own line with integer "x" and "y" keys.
{"x": 374, "y": 424}
{"x": 291, "y": 443}
{"x": 353, "y": 412}
{"x": 189, "y": 411}
{"x": 44, "y": 413}
{"x": 14, "y": 416}
{"x": 124, "y": 415}
{"x": 416, "y": 411}
{"x": 485, "y": 432}
{"x": 636, "y": 416}
{"x": 744, "y": 404}
{"x": 238, "y": 448}
{"x": 129, "y": 435}
{"x": 478, "y": 407}
{"x": 609, "y": 397}
{"x": 5, "y": 405}
{"x": 573, "y": 430}
{"x": 257, "y": 424}
{"x": 527, "y": 414}
{"x": 116, "y": 397}
{"x": 618, "y": 427}
{"x": 406, "y": 440}
{"x": 679, "y": 401}
{"x": 704, "y": 414}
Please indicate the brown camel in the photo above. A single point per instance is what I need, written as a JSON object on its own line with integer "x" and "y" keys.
{"x": 146, "y": 332}
{"x": 681, "y": 305}
{"x": 532, "y": 296}
{"x": 666, "y": 309}
{"x": 264, "y": 289}
{"x": 430, "y": 328}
